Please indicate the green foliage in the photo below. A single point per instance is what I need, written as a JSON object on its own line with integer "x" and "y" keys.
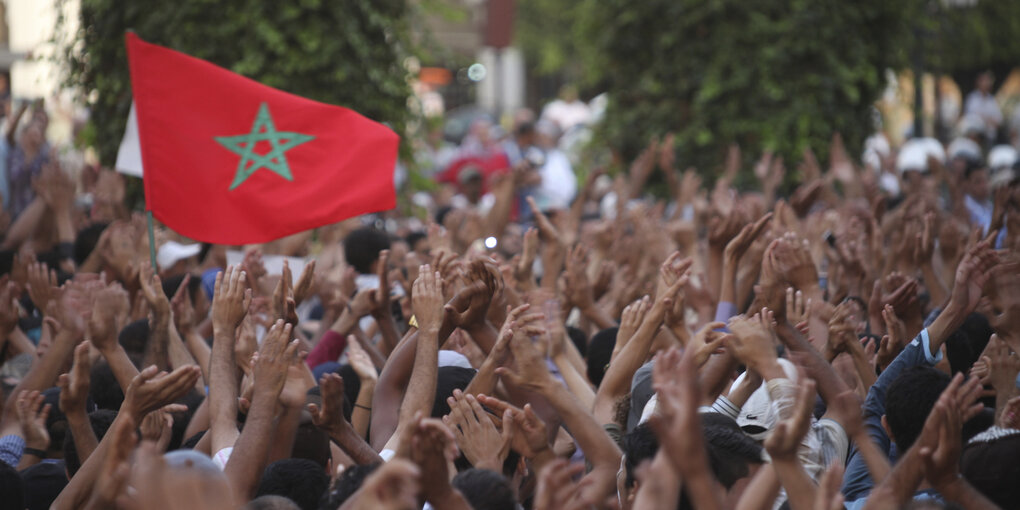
{"x": 971, "y": 39}
{"x": 348, "y": 53}
{"x": 772, "y": 74}
{"x": 545, "y": 33}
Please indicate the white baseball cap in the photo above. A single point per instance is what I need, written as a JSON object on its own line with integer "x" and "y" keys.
{"x": 172, "y": 252}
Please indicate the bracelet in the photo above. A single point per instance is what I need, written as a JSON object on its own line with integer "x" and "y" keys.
{"x": 35, "y": 451}
{"x": 363, "y": 407}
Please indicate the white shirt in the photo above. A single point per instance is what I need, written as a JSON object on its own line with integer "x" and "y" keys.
{"x": 559, "y": 184}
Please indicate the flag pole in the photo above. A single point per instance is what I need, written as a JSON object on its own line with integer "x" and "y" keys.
{"x": 152, "y": 242}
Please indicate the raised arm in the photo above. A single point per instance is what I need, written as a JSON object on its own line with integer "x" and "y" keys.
{"x": 230, "y": 304}
{"x": 427, "y": 295}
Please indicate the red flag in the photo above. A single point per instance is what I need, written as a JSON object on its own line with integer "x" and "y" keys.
{"x": 229, "y": 160}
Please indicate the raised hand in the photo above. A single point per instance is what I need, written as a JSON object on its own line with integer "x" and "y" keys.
{"x": 74, "y": 386}
{"x": 483, "y": 445}
{"x": 152, "y": 289}
{"x": 157, "y": 426}
{"x": 360, "y": 361}
{"x": 530, "y": 371}
{"x": 32, "y": 414}
{"x": 971, "y": 275}
{"x": 151, "y": 389}
{"x": 530, "y": 437}
{"x": 183, "y": 309}
{"x": 394, "y": 486}
{"x": 427, "y": 298}
{"x": 330, "y": 416}
{"x": 109, "y": 314}
{"x": 791, "y": 259}
{"x": 785, "y": 439}
{"x": 42, "y": 285}
{"x": 231, "y": 300}
{"x": 305, "y": 285}
{"x": 753, "y": 343}
{"x": 706, "y": 341}
{"x": 274, "y": 360}
{"x": 557, "y": 489}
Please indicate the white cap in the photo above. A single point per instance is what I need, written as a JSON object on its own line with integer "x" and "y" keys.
{"x": 758, "y": 411}
{"x": 970, "y": 124}
{"x": 1001, "y": 156}
{"x": 453, "y": 359}
{"x": 964, "y": 148}
{"x": 172, "y": 252}
{"x": 912, "y": 156}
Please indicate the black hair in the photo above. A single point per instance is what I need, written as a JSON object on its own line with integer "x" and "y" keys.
{"x": 580, "y": 340}
{"x": 730, "y": 450}
{"x": 301, "y": 480}
{"x": 192, "y": 399}
{"x": 352, "y": 386}
{"x": 311, "y": 443}
{"x": 346, "y": 485}
{"x": 485, "y": 489}
{"x": 100, "y": 420}
{"x": 103, "y": 387}
{"x": 639, "y": 445}
{"x": 134, "y": 338}
{"x": 441, "y": 214}
{"x": 362, "y": 247}
{"x": 524, "y": 128}
{"x": 191, "y": 442}
{"x": 965, "y": 345}
{"x": 909, "y": 400}
{"x": 170, "y": 286}
{"x": 600, "y": 350}
{"x": 449, "y": 379}
{"x": 12, "y": 487}
{"x": 972, "y": 167}
{"x": 413, "y": 238}
{"x": 86, "y": 241}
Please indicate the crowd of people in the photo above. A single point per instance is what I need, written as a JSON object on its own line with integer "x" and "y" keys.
{"x": 847, "y": 341}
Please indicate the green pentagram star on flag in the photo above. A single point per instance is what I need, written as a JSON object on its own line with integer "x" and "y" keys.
{"x": 262, "y": 130}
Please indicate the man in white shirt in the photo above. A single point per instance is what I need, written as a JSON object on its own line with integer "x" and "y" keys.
{"x": 982, "y": 103}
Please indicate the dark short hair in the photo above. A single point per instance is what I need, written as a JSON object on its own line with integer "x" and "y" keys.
{"x": 485, "y": 489}
{"x": 448, "y": 379}
{"x": 300, "y": 480}
{"x": 362, "y": 247}
{"x": 134, "y": 338}
{"x": 12, "y": 487}
{"x": 170, "y": 286}
{"x": 103, "y": 387}
{"x": 86, "y": 241}
{"x": 346, "y": 485}
{"x": 600, "y": 351}
{"x": 101, "y": 420}
{"x": 311, "y": 443}
{"x": 639, "y": 445}
{"x": 909, "y": 400}
{"x": 580, "y": 340}
{"x": 414, "y": 237}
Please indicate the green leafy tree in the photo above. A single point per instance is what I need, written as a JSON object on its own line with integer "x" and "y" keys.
{"x": 772, "y": 74}
{"x": 347, "y": 53}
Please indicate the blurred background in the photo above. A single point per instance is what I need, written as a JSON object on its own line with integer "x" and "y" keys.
{"x": 455, "y": 76}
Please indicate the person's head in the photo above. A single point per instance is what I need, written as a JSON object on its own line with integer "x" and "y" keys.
{"x": 100, "y": 419}
{"x": 346, "y": 485}
{"x": 964, "y": 346}
{"x": 470, "y": 181}
{"x": 43, "y": 483}
{"x": 985, "y": 81}
{"x": 418, "y": 242}
{"x": 86, "y": 241}
{"x": 908, "y": 400}
{"x": 198, "y": 298}
{"x": 312, "y": 443}
{"x": 362, "y": 247}
{"x": 300, "y": 480}
{"x": 33, "y": 137}
{"x": 134, "y": 338}
{"x": 639, "y": 447}
{"x": 449, "y": 378}
{"x": 600, "y": 349}
{"x": 271, "y": 502}
{"x": 524, "y": 134}
{"x": 485, "y": 489}
{"x": 975, "y": 182}
{"x": 12, "y": 488}
{"x": 103, "y": 387}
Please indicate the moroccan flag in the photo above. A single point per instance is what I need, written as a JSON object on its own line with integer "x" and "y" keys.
{"x": 228, "y": 160}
